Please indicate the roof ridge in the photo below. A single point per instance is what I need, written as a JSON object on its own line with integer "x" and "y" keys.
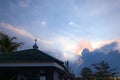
{"x": 30, "y": 55}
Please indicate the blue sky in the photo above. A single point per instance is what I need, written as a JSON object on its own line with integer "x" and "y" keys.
{"x": 62, "y": 27}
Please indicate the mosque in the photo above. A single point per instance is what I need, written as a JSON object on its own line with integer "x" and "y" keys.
{"x": 32, "y": 64}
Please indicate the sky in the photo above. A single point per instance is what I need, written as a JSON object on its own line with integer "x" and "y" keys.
{"x": 63, "y": 28}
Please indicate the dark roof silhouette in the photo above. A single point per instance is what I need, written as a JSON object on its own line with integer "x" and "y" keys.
{"x": 30, "y": 55}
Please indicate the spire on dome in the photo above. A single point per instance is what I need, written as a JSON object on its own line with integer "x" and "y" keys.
{"x": 35, "y": 45}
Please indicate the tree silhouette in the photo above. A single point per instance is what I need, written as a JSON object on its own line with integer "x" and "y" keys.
{"x": 7, "y": 43}
{"x": 103, "y": 71}
{"x": 86, "y": 73}
{"x": 99, "y": 71}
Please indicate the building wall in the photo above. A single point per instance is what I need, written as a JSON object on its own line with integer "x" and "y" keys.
{"x": 60, "y": 76}
{"x": 49, "y": 74}
{"x": 32, "y": 73}
{"x": 56, "y": 75}
{"x": 27, "y": 73}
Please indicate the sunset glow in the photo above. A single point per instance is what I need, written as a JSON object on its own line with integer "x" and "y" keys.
{"x": 65, "y": 28}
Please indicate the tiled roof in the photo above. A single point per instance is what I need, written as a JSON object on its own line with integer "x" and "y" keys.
{"x": 30, "y": 55}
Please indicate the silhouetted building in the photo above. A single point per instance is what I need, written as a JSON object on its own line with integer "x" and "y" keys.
{"x": 32, "y": 64}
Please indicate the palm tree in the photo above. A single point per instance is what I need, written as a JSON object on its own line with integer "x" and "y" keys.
{"x": 7, "y": 43}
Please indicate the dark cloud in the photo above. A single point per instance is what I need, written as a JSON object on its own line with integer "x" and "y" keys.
{"x": 109, "y": 47}
{"x": 107, "y": 53}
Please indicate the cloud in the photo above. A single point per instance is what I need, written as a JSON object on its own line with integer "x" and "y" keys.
{"x": 99, "y": 44}
{"x": 108, "y": 50}
{"x": 17, "y": 30}
{"x": 72, "y": 24}
{"x": 43, "y": 23}
{"x": 83, "y": 44}
{"x": 109, "y": 47}
{"x": 71, "y": 48}
{"x": 103, "y": 46}
{"x": 107, "y": 53}
{"x": 66, "y": 45}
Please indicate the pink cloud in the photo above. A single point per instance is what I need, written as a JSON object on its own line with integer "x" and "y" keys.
{"x": 102, "y": 43}
{"x": 17, "y": 30}
{"x": 83, "y": 44}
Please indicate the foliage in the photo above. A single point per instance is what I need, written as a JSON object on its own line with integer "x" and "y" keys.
{"x": 86, "y": 73}
{"x": 7, "y": 43}
{"x": 101, "y": 71}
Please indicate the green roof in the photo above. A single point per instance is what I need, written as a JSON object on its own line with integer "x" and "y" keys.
{"x": 30, "y": 55}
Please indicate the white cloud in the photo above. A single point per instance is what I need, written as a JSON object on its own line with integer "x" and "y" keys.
{"x": 43, "y": 23}
{"x": 72, "y": 24}
{"x": 66, "y": 43}
{"x": 67, "y": 47}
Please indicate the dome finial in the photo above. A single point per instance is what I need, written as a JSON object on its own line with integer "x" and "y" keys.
{"x": 35, "y": 40}
{"x": 35, "y": 45}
